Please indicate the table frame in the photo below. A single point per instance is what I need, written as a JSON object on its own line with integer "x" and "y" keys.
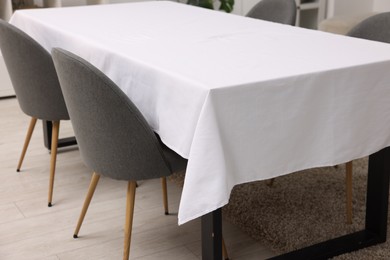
{"x": 47, "y": 133}
{"x": 375, "y": 230}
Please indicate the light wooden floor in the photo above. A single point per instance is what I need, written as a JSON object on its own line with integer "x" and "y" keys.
{"x": 31, "y": 230}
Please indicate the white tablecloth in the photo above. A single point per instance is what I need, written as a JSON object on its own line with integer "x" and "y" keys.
{"x": 242, "y": 99}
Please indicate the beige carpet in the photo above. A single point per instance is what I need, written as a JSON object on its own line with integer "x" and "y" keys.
{"x": 302, "y": 209}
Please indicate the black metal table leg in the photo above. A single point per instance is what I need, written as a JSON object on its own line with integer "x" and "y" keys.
{"x": 378, "y": 193}
{"x": 47, "y": 126}
{"x": 374, "y": 232}
{"x": 376, "y": 216}
{"x": 212, "y": 235}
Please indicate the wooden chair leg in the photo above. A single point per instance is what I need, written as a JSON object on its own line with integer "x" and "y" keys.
{"x": 348, "y": 182}
{"x": 270, "y": 182}
{"x": 129, "y": 218}
{"x": 88, "y": 198}
{"x": 54, "y": 144}
{"x": 165, "y": 194}
{"x": 30, "y": 130}
{"x": 224, "y": 250}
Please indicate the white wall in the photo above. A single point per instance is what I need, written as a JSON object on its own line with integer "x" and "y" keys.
{"x": 5, "y": 9}
{"x": 73, "y": 2}
{"x": 381, "y": 5}
{"x": 246, "y": 5}
{"x": 349, "y": 7}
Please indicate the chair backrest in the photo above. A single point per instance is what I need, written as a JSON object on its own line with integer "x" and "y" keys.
{"x": 32, "y": 74}
{"x": 375, "y": 28}
{"x": 113, "y": 136}
{"x": 278, "y": 11}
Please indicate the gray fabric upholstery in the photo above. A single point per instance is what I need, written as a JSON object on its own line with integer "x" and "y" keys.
{"x": 114, "y": 138}
{"x": 375, "y": 28}
{"x": 278, "y": 11}
{"x": 176, "y": 162}
{"x": 32, "y": 73}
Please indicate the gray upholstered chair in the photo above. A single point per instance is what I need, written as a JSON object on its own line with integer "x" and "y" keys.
{"x": 278, "y": 11}
{"x": 375, "y": 28}
{"x": 114, "y": 138}
{"x": 36, "y": 86}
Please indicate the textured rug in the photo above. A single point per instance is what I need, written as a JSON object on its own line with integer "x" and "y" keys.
{"x": 302, "y": 209}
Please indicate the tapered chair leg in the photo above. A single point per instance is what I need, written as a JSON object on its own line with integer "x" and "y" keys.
{"x": 129, "y": 218}
{"x": 30, "y": 130}
{"x": 88, "y": 198}
{"x": 54, "y": 144}
{"x": 270, "y": 182}
{"x": 165, "y": 194}
{"x": 224, "y": 250}
{"x": 348, "y": 184}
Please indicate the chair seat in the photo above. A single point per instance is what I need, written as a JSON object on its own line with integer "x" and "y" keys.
{"x": 176, "y": 162}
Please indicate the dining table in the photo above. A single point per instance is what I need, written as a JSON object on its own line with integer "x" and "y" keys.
{"x": 242, "y": 99}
